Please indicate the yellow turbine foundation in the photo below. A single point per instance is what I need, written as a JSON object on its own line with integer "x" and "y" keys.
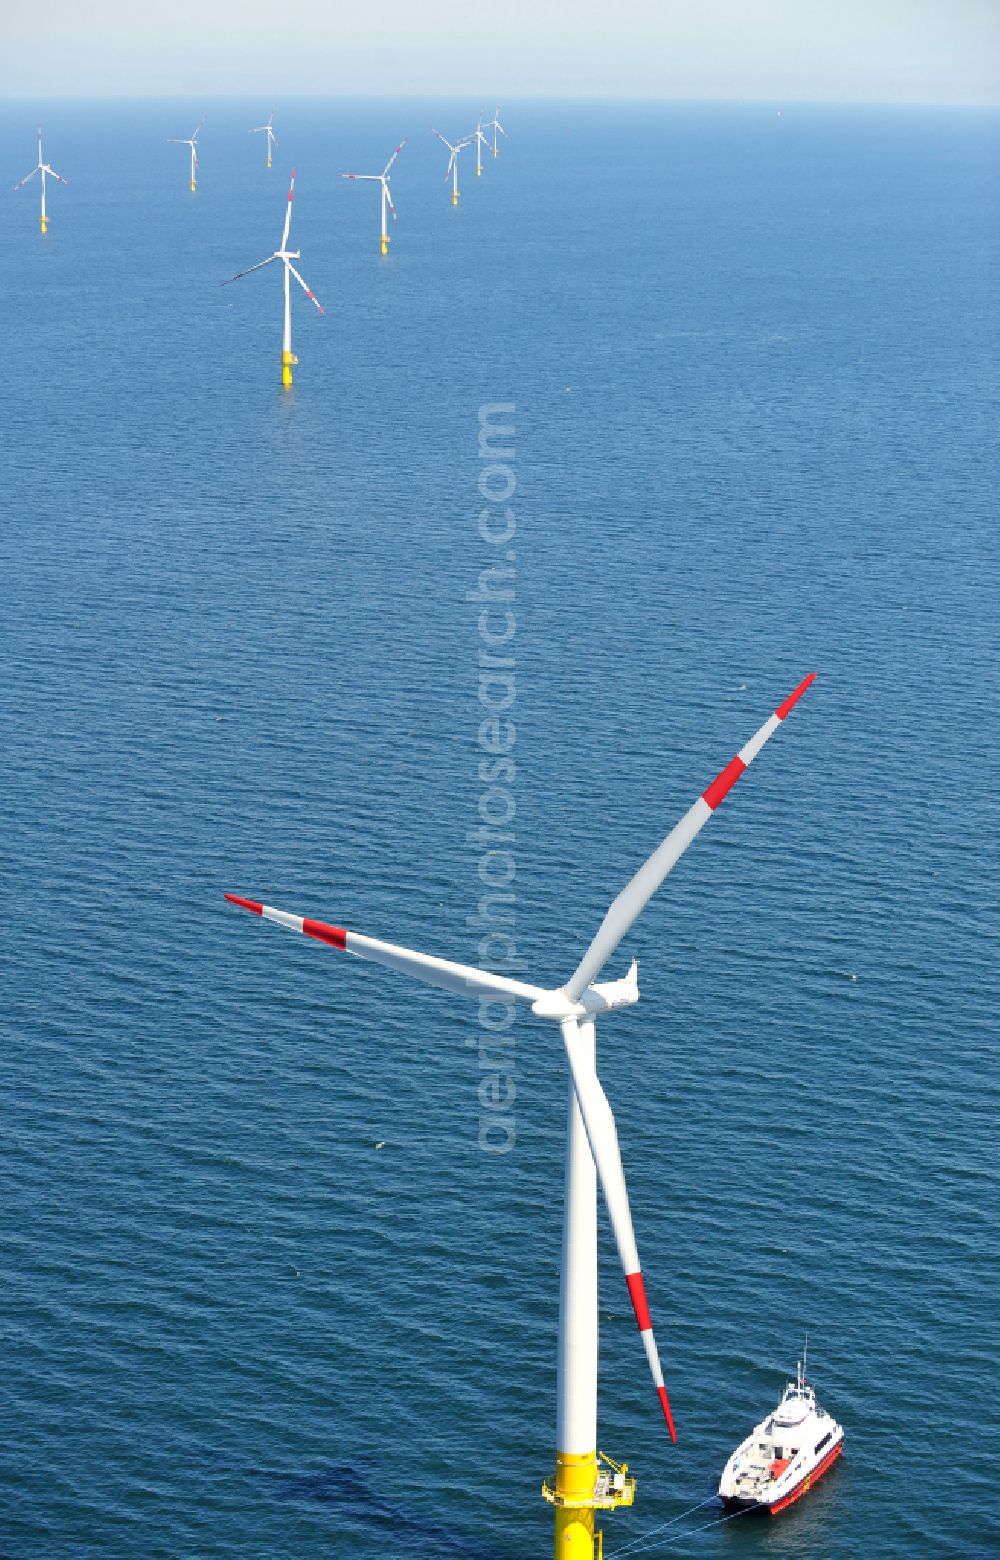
{"x": 454, "y": 197}
{"x": 287, "y": 360}
{"x": 193, "y": 186}
{"x": 45, "y": 224}
{"x": 576, "y": 1476}
{"x": 385, "y": 244}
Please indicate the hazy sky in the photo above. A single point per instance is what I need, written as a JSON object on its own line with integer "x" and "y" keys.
{"x": 940, "y": 51}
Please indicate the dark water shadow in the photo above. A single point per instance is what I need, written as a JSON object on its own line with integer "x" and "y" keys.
{"x": 348, "y": 1490}
{"x": 345, "y": 1488}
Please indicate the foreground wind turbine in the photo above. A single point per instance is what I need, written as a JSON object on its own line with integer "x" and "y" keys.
{"x": 383, "y": 179}
{"x": 481, "y": 141}
{"x": 495, "y": 125}
{"x": 43, "y": 168}
{"x": 580, "y": 1487}
{"x": 192, "y": 141}
{"x": 272, "y": 139}
{"x": 453, "y": 162}
{"x": 286, "y": 256}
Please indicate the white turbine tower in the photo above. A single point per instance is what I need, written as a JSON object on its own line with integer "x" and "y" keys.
{"x": 286, "y": 256}
{"x": 495, "y": 126}
{"x": 453, "y": 162}
{"x": 580, "y": 1486}
{"x": 43, "y": 168}
{"x": 480, "y": 141}
{"x": 192, "y": 142}
{"x": 383, "y": 179}
{"x": 272, "y": 139}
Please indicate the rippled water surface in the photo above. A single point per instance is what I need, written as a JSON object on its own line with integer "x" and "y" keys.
{"x": 751, "y": 362}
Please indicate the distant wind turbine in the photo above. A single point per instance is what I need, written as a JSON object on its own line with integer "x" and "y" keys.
{"x": 43, "y": 168}
{"x": 192, "y": 141}
{"x": 453, "y": 162}
{"x": 272, "y": 139}
{"x": 286, "y": 256}
{"x": 495, "y": 125}
{"x": 481, "y": 141}
{"x": 383, "y": 179}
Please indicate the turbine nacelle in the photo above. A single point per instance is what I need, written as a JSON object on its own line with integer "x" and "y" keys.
{"x": 602, "y": 997}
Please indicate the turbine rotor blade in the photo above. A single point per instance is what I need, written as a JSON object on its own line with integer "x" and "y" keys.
{"x": 308, "y": 291}
{"x": 269, "y": 261}
{"x": 636, "y": 894}
{"x": 602, "y": 1135}
{"x": 288, "y": 212}
{"x": 392, "y": 159}
{"x": 460, "y": 978}
{"x": 27, "y": 176}
{"x": 385, "y": 186}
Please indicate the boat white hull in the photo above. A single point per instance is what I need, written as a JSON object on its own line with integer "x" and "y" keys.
{"x": 785, "y": 1455}
{"x": 781, "y": 1498}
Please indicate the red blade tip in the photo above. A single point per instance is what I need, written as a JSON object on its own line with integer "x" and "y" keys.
{"x": 246, "y": 904}
{"x": 668, "y": 1416}
{"x": 793, "y": 698}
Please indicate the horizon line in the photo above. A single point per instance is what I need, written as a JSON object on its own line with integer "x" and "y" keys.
{"x": 511, "y": 97}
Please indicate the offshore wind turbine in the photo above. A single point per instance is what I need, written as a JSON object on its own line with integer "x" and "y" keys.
{"x": 192, "y": 141}
{"x": 43, "y": 168}
{"x": 383, "y": 179}
{"x": 581, "y": 1486}
{"x": 286, "y": 256}
{"x": 453, "y": 162}
{"x": 272, "y": 139}
{"x": 481, "y": 141}
{"x": 495, "y": 125}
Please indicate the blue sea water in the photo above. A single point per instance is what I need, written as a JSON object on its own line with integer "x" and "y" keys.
{"x": 752, "y": 357}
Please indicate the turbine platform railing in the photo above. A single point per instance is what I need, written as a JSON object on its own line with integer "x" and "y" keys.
{"x": 614, "y": 1487}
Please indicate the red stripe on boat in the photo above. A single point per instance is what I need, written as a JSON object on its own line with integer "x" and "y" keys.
{"x": 809, "y": 1480}
{"x": 246, "y": 904}
{"x": 793, "y": 698}
{"x": 668, "y": 1416}
{"x": 723, "y": 784}
{"x": 637, "y": 1290}
{"x": 334, "y": 935}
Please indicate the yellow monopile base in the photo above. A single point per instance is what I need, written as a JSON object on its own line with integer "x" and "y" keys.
{"x": 193, "y": 186}
{"x": 575, "y": 1480}
{"x": 385, "y": 246}
{"x": 45, "y": 224}
{"x": 269, "y": 162}
{"x": 454, "y": 198}
{"x": 287, "y": 359}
